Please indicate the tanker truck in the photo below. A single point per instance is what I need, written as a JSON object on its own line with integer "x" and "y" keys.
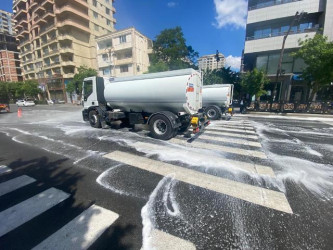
{"x": 169, "y": 102}
{"x": 216, "y": 100}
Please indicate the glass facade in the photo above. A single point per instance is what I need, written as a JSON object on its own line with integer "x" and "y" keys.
{"x": 269, "y": 63}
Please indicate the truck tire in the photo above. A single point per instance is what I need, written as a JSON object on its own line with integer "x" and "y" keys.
{"x": 213, "y": 113}
{"x": 161, "y": 128}
{"x": 94, "y": 119}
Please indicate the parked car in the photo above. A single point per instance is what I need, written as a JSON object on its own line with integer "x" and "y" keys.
{"x": 25, "y": 103}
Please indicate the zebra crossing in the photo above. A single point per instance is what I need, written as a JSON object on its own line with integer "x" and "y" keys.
{"x": 254, "y": 194}
{"x": 237, "y": 138}
{"x": 79, "y": 233}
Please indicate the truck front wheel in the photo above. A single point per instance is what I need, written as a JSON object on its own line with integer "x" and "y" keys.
{"x": 213, "y": 113}
{"x": 94, "y": 119}
{"x": 161, "y": 128}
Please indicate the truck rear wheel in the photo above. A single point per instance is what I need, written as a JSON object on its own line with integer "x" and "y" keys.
{"x": 161, "y": 128}
{"x": 94, "y": 119}
{"x": 213, "y": 113}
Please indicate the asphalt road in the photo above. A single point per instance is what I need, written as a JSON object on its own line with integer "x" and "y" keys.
{"x": 254, "y": 182}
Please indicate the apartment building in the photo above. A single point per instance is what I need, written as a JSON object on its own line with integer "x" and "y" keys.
{"x": 10, "y": 69}
{"x": 57, "y": 36}
{"x": 268, "y": 22}
{"x": 123, "y": 53}
{"x": 209, "y": 62}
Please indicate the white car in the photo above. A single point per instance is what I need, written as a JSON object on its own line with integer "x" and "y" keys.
{"x": 25, "y": 103}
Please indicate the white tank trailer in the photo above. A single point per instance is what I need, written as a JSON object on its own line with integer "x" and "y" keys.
{"x": 169, "y": 102}
{"x": 216, "y": 100}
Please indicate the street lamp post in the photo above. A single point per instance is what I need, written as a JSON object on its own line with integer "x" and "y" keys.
{"x": 298, "y": 16}
{"x": 217, "y": 56}
{"x": 110, "y": 52}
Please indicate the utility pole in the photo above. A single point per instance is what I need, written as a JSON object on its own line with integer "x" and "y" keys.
{"x": 298, "y": 16}
{"x": 217, "y": 56}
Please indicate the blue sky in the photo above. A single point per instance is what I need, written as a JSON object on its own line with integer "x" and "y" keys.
{"x": 208, "y": 25}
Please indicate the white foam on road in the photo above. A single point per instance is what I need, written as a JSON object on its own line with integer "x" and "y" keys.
{"x": 152, "y": 237}
{"x": 192, "y": 156}
{"x": 14, "y": 184}
{"x": 316, "y": 177}
{"x": 260, "y": 196}
{"x": 19, "y": 214}
{"x": 231, "y": 140}
{"x": 82, "y": 231}
{"x": 4, "y": 169}
{"x": 226, "y": 149}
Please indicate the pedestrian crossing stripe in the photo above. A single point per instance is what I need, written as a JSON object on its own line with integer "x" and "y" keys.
{"x": 231, "y": 140}
{"x": 257, "y": 195}
{"x": 82, "y": 231}
{"x": 248, "y": 167}
{"x": 232, "y": 134}
{"x": 202, "y": 145}
{"x": 19, "y": 214}
{"x": 222, "y": 128}
{"x": 14, "y": 184}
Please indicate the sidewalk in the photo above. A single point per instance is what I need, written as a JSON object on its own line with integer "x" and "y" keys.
{"x": 249, "y": 113}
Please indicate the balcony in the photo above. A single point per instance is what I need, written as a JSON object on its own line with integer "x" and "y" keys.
{"x": 67, "y": 50}
{"x": 22, "y": 33}
{"x": 269, "y": 4}
{"x": 68, "y": 75}
{"x": 40, "y": 8}
{"x": 52, "y": 52}
{"x": 124, "y": 61}
{"x": 22, "y": 23}
{"x": 287, "y": 10}
{"x": 67, "y": 64}
{"x": 46, "y": 29}
{"x": 113, "y": 10}
{"x": 275, "y": 43}
{"x": 72, "y": 10}
{"x": 65, "y": 37}
{"x": 122, "y": 46}
{"x": 16, "y": 2}
{"x": 48, "y": 2}
{"x": 74, "y": 23}
{"x": 20, "y": 13}
{"x": 82, "y": 3}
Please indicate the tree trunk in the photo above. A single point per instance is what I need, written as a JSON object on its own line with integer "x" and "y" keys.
{"x": 313, "y": 92}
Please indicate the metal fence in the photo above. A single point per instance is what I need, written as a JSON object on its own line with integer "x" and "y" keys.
{"x": 292, "y": 107}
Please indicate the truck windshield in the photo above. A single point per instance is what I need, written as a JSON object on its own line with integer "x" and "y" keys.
{"x": 87, "y": 89}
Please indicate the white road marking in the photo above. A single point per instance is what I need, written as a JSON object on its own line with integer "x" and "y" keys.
{"x": 231, "y": 140}
{"x": 82, "y": 231}
{"x": 232, "y": 150}
{"x": 4, "y": 169}
{"x": 257, "y": 195}
{"x": 233, "y": 134}
{"x": 16, "y": 183}
{"x": 217, "y": 125}
{"x": 221, "y": 128}
{"x": 19, "y": 214}
{"x": 249, "y": 167}
{"x": 163, "y": 241}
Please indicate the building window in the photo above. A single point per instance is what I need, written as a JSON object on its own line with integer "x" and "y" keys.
{"x": 95, "y": 15}
{"x": 95, "y": 3}
{"x": 106, "y": 71}
{"x": 122, "y": 39}
{"x": 105, "y": 57}
{"x": 107, "y": 11}
{"x": 96, "y": 27}
{"x": 107, "y": 1}
{"x": 123, "y": 68}
{"x": 108, "y": 22}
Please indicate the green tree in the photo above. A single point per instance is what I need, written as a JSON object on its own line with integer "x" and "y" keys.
{"x": 170, "y": 52}
{"x": 75, "y": 85}
{"x": 317, "y": 54}
{"x": 253, "y": 82}
{"x": 4, "y": 97}
{"x": 30, "y": 88}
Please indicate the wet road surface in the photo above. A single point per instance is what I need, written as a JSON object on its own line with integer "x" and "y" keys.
{"x": 248, "y": 183}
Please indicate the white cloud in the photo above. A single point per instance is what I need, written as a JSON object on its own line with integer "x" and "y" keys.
{"x": 171, "y": 4}
{"x": 230, "y": 13}
{"x": 233, "y": 61}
